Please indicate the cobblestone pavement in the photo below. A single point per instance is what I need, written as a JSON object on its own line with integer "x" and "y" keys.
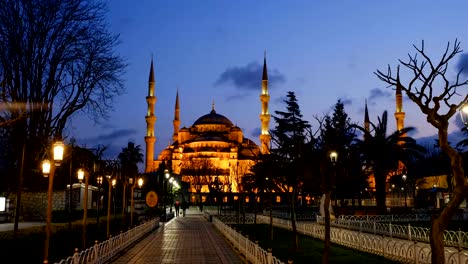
{"x": 189, "y": 239}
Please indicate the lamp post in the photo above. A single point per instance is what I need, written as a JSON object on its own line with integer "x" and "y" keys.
{"x": 109, "y": 197}
{"x": 328, "y": 183}
{"x": 132, "y": 202}
{"x": 404, "y": 183}
{"x": 82, "y": 175}
{"x": 124, "y": 199}
{"x": 171, "y": 196}
{"x": 48, "y": 170}
{"x": 99, "y": 184}
{"x": 166, "y": 178}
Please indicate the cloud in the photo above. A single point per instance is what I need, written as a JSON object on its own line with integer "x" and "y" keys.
{"x": 235, "y": 97}
{"x": 462, "y": 64}
{"x": 378, "y": 93}
{"x": 256, "y": 132}
{"x": 110, "y": 137}
{"x": 249, "y": 77}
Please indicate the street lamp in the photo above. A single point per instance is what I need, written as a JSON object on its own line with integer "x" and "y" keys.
{"x": 464, "y": 113}
{"x": 165, "y": 185}
{"x": 48, "y": 169}
{"x": 132, "y": 204}
{"x": 82, "y": 175}
{"x": 404, "y": 182}
{"x": 109, "y": 197}
{"x": 99, "y": 184}
{"x": 333, "y": 157}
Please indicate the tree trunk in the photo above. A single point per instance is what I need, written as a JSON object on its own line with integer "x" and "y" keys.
{"x": 326, "y": 247}
{"x": 271, "y": 218}
{"x": 440, "y": 221}
{"x": 293, "y": 220}
{"x": 380, "y": 181}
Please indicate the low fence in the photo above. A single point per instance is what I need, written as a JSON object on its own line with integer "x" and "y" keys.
{"x": 106, "y": 250}
{"x": 252, "y": 251}
{"x": 461, "y": 216}
{"x": 451, "y": 238}
{"x": 308, "y": 216}
{"x": 392, "y": 248}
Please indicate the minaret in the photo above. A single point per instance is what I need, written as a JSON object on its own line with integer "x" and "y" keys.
{"x": 265, "y": 114}
{"x": 150, "y": 118}
{"x": 399, "y": 114}
{"x": 366, "y": 119}
{"x": 176, "y": 121}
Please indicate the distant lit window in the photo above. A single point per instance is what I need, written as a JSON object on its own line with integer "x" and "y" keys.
{"x": 247, "y": 199}
{"x": 2, "y": 204}
{"x": 235, "y": 198}
{"x": 225, "y": 199}
{"x": 278, "y": 199}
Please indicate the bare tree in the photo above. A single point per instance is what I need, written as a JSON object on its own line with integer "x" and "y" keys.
{"x": 56, "y": 58}
{"x": 439, "y": 98}
{"x": 198, "y": 172}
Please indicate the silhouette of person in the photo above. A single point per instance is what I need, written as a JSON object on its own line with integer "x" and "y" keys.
{"x": 177, "y": 206}
{"x": 184, "y": 205}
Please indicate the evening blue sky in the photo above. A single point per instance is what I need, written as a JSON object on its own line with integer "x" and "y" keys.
{"x": 212, "y": 51}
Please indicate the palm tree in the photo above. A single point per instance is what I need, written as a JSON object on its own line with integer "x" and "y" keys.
{"x": 383, "y": 153}
{"x": 129, "y": 159}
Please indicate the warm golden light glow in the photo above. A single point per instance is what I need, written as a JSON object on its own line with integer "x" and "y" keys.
{"x": 80, "y": 174}
{"x": 45, "y": 167}
{"x": 333, "y": 156}
{"x": 114, "y": 182}
{"x": 58, "y": 148}
{"x": 140, "y": 182}
{"x": 464, "y": 113}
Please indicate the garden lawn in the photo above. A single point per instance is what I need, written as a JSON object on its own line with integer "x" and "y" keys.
{"x": 310, "y": 249}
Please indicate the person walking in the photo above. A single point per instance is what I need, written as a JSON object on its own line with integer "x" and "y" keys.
{"x": 177, "y": 206}
{"x": 184, "y": 206}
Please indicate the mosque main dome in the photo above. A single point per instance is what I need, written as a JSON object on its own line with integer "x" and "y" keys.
{"x": 213, "y": 119}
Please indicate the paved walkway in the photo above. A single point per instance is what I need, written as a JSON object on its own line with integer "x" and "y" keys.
{"x": 189, "y": 239}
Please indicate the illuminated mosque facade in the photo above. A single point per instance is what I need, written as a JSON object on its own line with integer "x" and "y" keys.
{"x": 211, "y": 149}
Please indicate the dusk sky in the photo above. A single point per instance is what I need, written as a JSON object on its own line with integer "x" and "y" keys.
{"x": 321, "y": 50}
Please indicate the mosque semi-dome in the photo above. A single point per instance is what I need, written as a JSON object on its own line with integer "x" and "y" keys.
{"x": 213, "y": 119}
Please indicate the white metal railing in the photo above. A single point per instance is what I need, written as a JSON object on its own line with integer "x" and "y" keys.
{"x": 392, "y": 248}
{"x": 308, "y": 216}
{"x": 106, "y": 250}
{"x": 451, "y": 238}
{"x": 396, "y": 218}
{"x": 252, "y": 251}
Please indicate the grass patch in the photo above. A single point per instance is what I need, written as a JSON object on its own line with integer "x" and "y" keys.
{"x": 310, "y": 250}
{"x": 29, "y": 246}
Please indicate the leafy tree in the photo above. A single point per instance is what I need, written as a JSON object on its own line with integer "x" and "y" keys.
{"x": 439, "y": 98}
{"x": 291, "y": 137}
{"x": 382, "y": 154}
{"x": 336, "y": 135}
{"x": 57, "y": 58}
